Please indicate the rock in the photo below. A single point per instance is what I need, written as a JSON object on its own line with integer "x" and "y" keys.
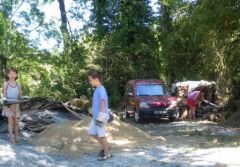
{"x": 215, "y": 141}
{"x": 214, "y": 117}
{"x": 211, "y": 117}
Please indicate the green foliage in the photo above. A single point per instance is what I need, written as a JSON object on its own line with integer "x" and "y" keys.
{"x": 124, "y": 40}
{"x": 205, "y": 39}
{"x": 128, "y": 52}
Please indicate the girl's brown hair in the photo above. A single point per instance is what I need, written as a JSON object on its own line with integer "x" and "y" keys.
{"x": 13, "y": 69}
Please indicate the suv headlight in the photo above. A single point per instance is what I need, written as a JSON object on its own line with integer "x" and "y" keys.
{"x": 144, "y": 105}
{"x": 173, "y": 104}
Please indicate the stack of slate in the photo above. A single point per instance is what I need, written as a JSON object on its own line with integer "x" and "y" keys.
{"x": 38, "y": 113}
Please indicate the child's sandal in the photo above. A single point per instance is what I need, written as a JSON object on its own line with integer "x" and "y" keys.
{"x": 105, "y": 157}
{"x": 101, "y": 153}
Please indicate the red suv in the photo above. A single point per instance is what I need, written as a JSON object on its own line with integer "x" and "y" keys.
{"x": 149, "y": 99}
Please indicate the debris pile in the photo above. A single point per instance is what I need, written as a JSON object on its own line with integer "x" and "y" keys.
{"x": 37, "y": 121}
{"x": 71, "y": 138}
{"x": 38, "y": 113}
{"x": 183, "y": 88}
{"x": 41, "y": 103}
{"x": 214, "y": 117}
{"x": 233, "y": 120}
{"x": 83, "y": 103}
{"x": 194, "y": 85}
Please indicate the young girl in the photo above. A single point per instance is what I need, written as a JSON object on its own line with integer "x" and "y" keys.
{"x": 12, "y": 92}
{"x": 192, "y": 99}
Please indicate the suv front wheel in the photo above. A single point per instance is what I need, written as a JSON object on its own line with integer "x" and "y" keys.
{"x": 137, "y": 117}
{"x": 125, "y": 113}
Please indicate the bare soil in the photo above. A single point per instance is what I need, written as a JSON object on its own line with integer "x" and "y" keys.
{"x": 71, "y": 137}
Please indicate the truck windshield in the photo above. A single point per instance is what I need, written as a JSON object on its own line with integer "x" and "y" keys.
{"x": 150, "y": 90}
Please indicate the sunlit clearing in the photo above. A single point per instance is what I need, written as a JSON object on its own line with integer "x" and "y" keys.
{"x": 121, "y": 142}
{"x": 7, "y": 154}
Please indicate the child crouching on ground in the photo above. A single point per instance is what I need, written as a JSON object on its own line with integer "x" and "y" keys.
{"x": 100, "y": 115}
{"x": 12, "y": 92}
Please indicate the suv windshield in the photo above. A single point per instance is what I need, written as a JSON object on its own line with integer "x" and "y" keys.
{"x": 150, "y": 90}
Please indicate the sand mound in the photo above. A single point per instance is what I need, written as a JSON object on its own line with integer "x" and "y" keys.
{"x": 71, "y": 137}
{"x": 233, "y": 121}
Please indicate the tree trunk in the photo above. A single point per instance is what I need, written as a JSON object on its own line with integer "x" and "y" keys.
{"x": 165, "y": 17}
{"x": 3, "y": 66}
{"x": 165, "y": 29}
{"x": 100, "y": 13}
{"x": 64, "y": 20}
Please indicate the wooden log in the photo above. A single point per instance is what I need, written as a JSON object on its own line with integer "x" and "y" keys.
{"x": 35, "y": 126}
{"x": 71, "y": 111}
{"x": 37, "y": 130}
{"x": 74, "y": 108}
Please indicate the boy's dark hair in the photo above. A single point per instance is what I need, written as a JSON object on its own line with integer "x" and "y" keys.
{"x": 13, "y": 69}
{"x": 95, "y": 75}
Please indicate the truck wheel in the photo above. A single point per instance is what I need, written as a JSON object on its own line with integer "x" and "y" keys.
{"x": 137, "y": 117}
{"x": 125, "y": 113}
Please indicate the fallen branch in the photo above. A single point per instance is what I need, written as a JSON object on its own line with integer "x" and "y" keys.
{"x": 71, "y": 111}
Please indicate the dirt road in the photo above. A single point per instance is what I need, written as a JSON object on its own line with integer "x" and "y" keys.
{"x": 184, "y": 144}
